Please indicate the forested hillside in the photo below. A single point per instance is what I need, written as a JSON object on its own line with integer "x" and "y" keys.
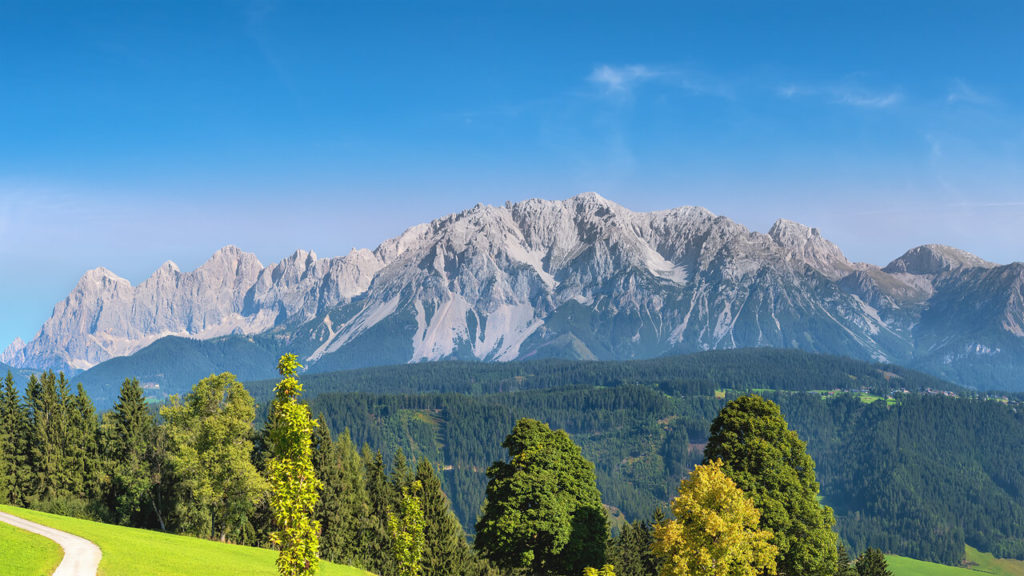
{"x": 919, "y": 475}
{"x": 689, "y": 374}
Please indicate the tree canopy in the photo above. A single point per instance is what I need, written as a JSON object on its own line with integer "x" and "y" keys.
{"x": 716, "y": 530}
{"x": 209, "y": 452}
{"x": 769, "y": 462}
{"x": 543, "y": 511}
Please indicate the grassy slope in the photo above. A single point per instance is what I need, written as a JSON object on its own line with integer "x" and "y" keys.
{"x": 901, "y": 566}
{"x": 130, "y": 551}
{"x": 27, "y": 554}
{"x": 985, "y": 562}
{"x": 979, "y": 562}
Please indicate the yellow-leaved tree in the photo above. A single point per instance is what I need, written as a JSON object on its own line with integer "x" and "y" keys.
{"x": 715, "y": 531}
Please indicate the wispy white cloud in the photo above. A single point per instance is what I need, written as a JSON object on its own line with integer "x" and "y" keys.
{"x": 845, "y": 94}
{"x": 622, "y": 79}
{"x": 866, "y": 100}
{"x": 963, "y": 92}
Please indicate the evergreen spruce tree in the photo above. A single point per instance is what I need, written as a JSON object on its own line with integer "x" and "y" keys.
{"x": 128, "y": 434}
{"x": 344, "y": 504}
{"x": 294, "y": 486}
{"x": 871, "y": 562}
{"x": 631, "y": 551}
{"x": 843, "y": 566}
{"x": 378, "y": 491}
{"x": 12, "y": 427}
{"x": 83, "y": 454}
{"x": 47, "y": 436}
{"x": 29, "y": 485}
{"x": 446, "y": 551}
{"x": 401, "y": 476}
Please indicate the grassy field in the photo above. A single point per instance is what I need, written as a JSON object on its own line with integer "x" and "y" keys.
{"x": 978, "y": 563}
{"x": 130, "y": 551}
{"x": 985, "y": 562}
{"x": 27, "y": 554}
{"x": 901, "y": 566}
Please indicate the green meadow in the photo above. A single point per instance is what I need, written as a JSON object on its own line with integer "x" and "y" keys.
{"x": 977, "y": 563}
{"x": 131, "y": 551}
{"x": 27, "y": 554}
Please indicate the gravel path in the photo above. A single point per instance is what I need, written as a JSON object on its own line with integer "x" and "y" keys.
{"x": 81, "y": 557}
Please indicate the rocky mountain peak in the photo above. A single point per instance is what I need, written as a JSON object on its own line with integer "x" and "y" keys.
{"x": 168, "y": 268}
{"x": 805, "y": 243}
{"x": 11, "y": 352}
{"x": 931, "y": 259}
{"x": 232, "y": 259}
{"x": 96, "y": 282}
{"x": 98, "y": 275}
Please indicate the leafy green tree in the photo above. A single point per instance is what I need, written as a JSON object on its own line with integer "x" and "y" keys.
{"x": 294, "y": 486}
{"x": 716, "y": 530}
{"x": 406, "y": 526}
{"x": 606, "y": 570}
{"x": 344, "y": 504}
{"x": 446, "y": 552}
{"x": 543, "y": 511}
{"x": 128, "y": 434}
{"x": 871, "y": 562}
{"x": 770, "y": 464}
{"x": 209, "y": 451}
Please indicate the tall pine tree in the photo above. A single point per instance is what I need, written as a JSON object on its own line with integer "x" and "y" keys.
{"x": 47, "y": 435}
{"x": 344, "y": 504}
{"x": 13, "y": 463}
{"x": 379, "y": 493}
{"x": 844, "y": 567}
{"x": 871, "y": 562}
{"x": 128, "y": 433}
{"x": 446, "y": 550}
{"x": 82, "y": 452}
{"x": 630, "y": 552}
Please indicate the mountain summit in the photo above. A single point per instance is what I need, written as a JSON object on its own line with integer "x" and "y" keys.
{"x": 579, "y": 278}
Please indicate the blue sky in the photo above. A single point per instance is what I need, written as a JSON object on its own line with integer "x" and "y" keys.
{"x": 134, "y": 132}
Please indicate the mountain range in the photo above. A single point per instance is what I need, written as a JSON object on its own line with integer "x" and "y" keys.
{"x": 583, "y": 278}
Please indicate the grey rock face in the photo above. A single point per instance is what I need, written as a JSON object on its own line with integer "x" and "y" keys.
{"x": 580, "y": 278}
{"x": 231, "y": 293}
